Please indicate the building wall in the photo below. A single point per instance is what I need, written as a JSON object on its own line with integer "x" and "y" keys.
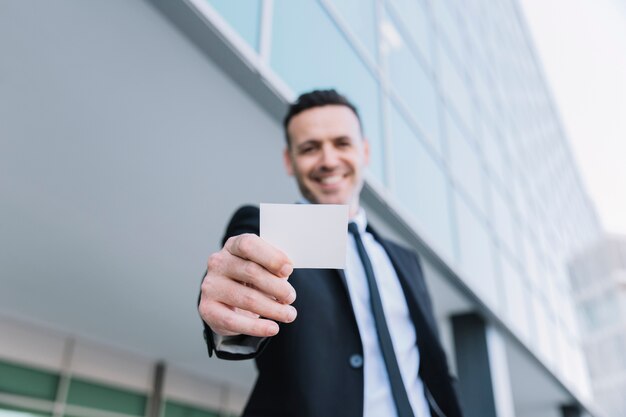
{"x": 123, "y": 152}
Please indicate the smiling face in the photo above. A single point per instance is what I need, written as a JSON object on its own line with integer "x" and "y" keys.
{"x": 327, "y": 155}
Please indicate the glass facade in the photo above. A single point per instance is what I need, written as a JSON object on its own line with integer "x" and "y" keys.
{"x": 598, "y": 276}
{"x": 466, "y": 140}
{"x": 243, "y": 16}
{"x": 21, "y": 385}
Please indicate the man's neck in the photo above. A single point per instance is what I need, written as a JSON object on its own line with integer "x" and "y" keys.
{"x": 353, "y": 208}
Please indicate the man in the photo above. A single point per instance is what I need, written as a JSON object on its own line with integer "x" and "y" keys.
{"x": 342, "y": 355}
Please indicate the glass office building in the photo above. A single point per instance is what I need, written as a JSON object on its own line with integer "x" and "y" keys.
{"x": 598, "y": 276}
{"x": 470, "y": 166}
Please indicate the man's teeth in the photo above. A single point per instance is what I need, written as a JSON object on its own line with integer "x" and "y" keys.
{"x": 331, "y": 180}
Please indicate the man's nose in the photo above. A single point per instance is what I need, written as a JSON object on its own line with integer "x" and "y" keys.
{"x": 330, "y": 157}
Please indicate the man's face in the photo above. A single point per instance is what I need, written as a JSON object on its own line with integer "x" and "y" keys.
{"x": 327, "y": 155}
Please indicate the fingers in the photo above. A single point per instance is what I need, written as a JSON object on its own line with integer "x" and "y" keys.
{"x": 233, "y": 294}
{"x": 226, "y": 322}
{"x": 246, "y": 280}
{"x": 260, "y": 278}
{"x": 253, "y": 248}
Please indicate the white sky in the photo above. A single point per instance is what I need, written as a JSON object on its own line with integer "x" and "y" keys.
{"x": 582, "y": 46}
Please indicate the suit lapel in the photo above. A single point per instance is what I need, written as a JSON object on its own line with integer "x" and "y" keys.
{"x": 342, "y": 278}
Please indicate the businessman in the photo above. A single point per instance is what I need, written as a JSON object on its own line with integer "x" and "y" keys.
{"x": 356, "y": 342}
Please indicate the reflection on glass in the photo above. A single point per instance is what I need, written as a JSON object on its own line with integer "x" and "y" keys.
{"x": 308, "y": 52}
{"x": 416, "y": 19}
{"x": 420, "y": 184}
{"x": 360, "y": 17}
{"x": 243, "y": 16}
{"x": 411, "y": 82}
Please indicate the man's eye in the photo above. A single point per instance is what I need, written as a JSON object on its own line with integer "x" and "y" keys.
{"x": 307, "y": 149}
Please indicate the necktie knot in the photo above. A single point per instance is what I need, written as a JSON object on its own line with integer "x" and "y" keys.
{"x": 353, "y": 228}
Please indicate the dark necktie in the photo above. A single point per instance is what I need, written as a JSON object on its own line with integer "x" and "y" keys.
{"x": 398, "y": 390}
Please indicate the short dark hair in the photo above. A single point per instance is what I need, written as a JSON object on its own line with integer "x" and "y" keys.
{"x": 317, "y": 98}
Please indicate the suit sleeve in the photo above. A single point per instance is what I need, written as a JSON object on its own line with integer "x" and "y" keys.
{"x": 245, "y": 220}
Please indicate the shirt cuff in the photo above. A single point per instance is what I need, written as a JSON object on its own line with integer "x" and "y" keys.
{"x": 239, "y": 344}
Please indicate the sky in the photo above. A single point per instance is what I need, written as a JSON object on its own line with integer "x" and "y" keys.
{"x": 582, "y": 48}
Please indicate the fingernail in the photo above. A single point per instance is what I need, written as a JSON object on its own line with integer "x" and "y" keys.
{"x": 273, "y": 330}
{"x": 292, "y": 314}
{"x": 286, "y": 270}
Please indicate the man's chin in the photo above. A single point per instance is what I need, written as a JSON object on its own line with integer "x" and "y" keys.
{"x": 330, "y": 200}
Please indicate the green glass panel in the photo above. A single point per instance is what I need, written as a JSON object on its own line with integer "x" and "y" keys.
{"x": 11, "y": 411}
{"x": 174, "y": 409}
{"x": 104, "y": 397}
{"x": 30, "y": 382}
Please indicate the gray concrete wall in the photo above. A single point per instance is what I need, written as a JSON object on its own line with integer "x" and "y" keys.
{"x": 123, "y": 151}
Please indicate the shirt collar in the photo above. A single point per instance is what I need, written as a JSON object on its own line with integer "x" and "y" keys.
{"x": 360, "y": 219}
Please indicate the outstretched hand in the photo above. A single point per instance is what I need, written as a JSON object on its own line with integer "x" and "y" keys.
{"x": 246, "y": 287}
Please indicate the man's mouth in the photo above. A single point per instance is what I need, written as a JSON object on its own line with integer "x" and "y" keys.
{"x": 330, "y": 180}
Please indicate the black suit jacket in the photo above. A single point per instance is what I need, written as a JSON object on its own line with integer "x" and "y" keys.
{"x": 307, "y": 371}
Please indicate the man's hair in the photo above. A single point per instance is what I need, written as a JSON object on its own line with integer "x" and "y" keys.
{"x": 317, "y": 98}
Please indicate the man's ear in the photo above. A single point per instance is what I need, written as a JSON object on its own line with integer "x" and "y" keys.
{"x": 287, "y": 161}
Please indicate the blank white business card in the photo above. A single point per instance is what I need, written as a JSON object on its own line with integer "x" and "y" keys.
{"x": 312, "y": 235}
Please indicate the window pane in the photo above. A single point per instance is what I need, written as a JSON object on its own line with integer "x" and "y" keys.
{"x": 360, "y": 17}
{"x": 416, "y": 19}
{"x": 530, "y": 260}
{"x": 455, "y": 90}
{"x": 517, "y": 299}
{"x": 420, "y": 184}
{"x": 243, "y": 15}
{"x": 493, "y": 153}
{"x": 465, "y": 164}
{"x": 308, "y": 52}
{"x": 103, "y": 397}
{"x": 30, "y": 382}
{"x": 411, "y": 82}
{"x": 175, "y": 409}
{"x": 542, "y": 339}
{"x": 476, "y": 257}
{"x": 448, "y": 26}
{"x": 504, "y": 220}
{"x": 10, "y": 411}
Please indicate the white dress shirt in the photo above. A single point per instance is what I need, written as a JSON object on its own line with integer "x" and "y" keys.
{"x": 378, "y": 400}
